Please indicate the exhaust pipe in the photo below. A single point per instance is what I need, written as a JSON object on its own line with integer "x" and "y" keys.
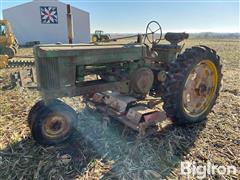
{"x": 70, "y": 24}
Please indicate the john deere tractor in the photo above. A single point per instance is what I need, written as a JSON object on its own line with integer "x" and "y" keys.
{"x": 99, "y": 36}
{"x": 122, "y": 76}
{"x": 8, "y": 42}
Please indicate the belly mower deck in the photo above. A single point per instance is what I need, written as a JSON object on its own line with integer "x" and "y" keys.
{"x": 128, "y": 110}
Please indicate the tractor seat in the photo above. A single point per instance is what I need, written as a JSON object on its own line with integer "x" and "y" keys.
{"x": 175, "y": 38}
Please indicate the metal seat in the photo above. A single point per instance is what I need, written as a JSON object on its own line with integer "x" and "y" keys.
{"x": 175, "y": 38}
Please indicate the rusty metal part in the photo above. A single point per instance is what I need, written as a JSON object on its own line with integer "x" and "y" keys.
{"x": 56, "y": 125}
{"x": 142, "y": 80}
{"x": 145, "y": 117}
{"x": 134, "y": 115}
{"x": 153, "y": 117}
{"x": 150, "y": 120}
{"x": 117, "y": 101}
{"x": 122, "y": 118}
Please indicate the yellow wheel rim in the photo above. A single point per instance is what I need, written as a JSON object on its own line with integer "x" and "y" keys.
{"x": 55, "y": 126}
{"x": 94, "y": 39}
{"x": 200, "y": 88}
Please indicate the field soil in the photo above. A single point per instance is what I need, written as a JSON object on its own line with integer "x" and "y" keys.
{"x": 112, "y": 151}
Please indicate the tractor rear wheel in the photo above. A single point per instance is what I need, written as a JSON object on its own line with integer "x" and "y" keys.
{"x": 52, "y": 123}
{"x": 192, "y": 85}
{"x": 94, "y": 38}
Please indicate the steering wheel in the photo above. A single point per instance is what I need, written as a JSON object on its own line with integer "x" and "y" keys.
{"x": 152, "y": 34}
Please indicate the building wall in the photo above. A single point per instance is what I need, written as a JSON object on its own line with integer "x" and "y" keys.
{"x": 27, "y": 26}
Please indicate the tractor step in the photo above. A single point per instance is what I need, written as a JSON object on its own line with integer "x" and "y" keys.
{"x": 128, "y": 110}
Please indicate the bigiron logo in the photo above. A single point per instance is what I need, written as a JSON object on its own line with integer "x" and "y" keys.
{"x": 191, "y": 168}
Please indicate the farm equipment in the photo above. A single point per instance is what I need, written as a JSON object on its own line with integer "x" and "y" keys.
{"x": 8, "y": 42}
{"x": 23, "y": 78}
{"x": 99, "y": 36}
{"x": 118, "y": 80}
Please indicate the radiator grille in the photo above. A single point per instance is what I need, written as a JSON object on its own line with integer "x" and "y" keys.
{"x": 48, "y": 72}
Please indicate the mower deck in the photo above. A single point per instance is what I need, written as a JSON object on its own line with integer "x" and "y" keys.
{"x": 129, "y": 111}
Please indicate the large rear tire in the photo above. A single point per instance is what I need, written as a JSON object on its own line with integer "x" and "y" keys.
{"x": 192, "y": 85}
{"x": 53, "y": 123}
{"x": 94, "y": 38}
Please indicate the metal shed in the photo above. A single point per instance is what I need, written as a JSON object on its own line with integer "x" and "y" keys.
{"x": 46, "y": 21}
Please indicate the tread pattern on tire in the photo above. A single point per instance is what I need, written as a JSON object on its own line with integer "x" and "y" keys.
{"x": 40, "y": 112}
{"x": 33, "y": 112}
{"x": 176, "y": 77}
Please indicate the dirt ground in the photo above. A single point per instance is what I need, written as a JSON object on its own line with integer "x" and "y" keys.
{"x": 98, "y": 151}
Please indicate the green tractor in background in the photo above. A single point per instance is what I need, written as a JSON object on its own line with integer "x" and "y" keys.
{"x": 99, "y": 36}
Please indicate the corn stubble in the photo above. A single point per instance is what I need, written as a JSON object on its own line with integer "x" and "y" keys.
{"x": 108, "y": 150}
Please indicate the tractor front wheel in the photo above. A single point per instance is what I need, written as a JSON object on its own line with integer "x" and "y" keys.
{"x": 192, "y": 85}
{"x": 38, "y": 107}
{"x": 52, "y": 123}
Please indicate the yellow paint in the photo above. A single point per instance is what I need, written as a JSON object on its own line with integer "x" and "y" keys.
{"x": 7, "y": 39}
{"x": 210, "y": 96}
{"x": 94, "y": 39}
{"x": 213, "y": 69}
{"x": 3, "y": 61}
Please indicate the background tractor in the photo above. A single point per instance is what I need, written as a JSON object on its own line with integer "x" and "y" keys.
{"x": 99, "y": 36}
{"x": 122, "y": 76}
{"x": 8, "y": 42}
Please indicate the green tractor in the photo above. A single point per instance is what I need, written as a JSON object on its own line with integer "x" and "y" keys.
{"x": 128, "y": 82}
{"x": 99, "y": 36}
